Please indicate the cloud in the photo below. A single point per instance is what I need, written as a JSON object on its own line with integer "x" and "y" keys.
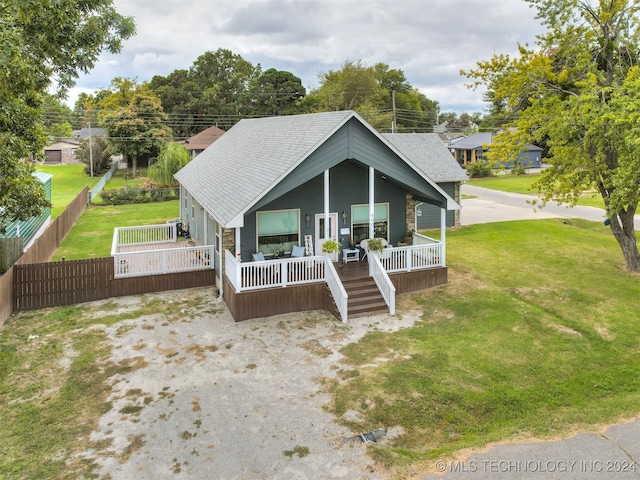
{"x": 429, "y": 40}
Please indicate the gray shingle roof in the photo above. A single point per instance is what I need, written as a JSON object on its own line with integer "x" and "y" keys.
{"x": 429, "y": 154}
{"x": 252, "y": 157}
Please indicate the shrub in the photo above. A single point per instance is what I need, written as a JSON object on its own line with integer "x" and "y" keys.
{"x": 518, "y": 169}
{"x": 479, "y": 169}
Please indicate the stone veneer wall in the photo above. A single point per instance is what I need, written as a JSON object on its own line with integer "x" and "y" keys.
{"x": 456, "y": 197}
{"x": 228, "y": 243}
{"x": 411, "y": 213}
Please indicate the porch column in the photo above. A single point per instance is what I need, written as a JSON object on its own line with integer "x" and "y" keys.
{"x": 238, "y": 249}
{"x": 326, "y": 204}
{"x": 443, "y": 236}
{"x": 206, "y": 226}
{"x": 372, "y": 199}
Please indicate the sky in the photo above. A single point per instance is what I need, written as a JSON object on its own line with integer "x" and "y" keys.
{"x": 429, "y": 40}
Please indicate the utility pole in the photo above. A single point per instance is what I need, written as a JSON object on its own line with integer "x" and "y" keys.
{"x": 90, "y": 151}
{"x": 393, "y": 106}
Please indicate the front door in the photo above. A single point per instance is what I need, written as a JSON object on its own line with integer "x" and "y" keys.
{"x": 333, "y": 221}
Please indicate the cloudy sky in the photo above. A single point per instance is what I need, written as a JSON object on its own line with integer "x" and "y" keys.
{"x": 430, "y": 40}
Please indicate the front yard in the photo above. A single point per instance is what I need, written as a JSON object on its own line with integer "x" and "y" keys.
{"x": 536, "y": 335}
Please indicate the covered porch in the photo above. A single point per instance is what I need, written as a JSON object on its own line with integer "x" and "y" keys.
{"x": 270, "y": 287}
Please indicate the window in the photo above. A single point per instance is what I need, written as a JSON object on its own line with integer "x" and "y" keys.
{"x": 277, "y": 230}
{"x": 360, "y": 221}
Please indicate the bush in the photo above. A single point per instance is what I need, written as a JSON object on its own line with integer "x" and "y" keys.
{"x": 479, "y": 169}
{"x": 518, "y": 169}
{"x": 142, "y": 194}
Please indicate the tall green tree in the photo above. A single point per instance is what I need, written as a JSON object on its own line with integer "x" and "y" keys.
{"x": 43, "y": 44}
{"x": 139, "y": 129}
{"x": 173, "y": 157}
{"x": 275, "y": 92}
{"x": 578, "y": 89}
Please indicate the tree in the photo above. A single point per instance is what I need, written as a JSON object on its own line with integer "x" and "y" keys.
{"x": 579, "y": 91}
{"x": 43, "y": 46}
{"x": 138, "y": 129}
{"x": 275, "y": 92}
{"x": 172, "y": 158}
{"x": 95, "y": 151}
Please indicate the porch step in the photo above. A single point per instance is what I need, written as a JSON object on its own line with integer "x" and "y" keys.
{"x": 364, "y": 297}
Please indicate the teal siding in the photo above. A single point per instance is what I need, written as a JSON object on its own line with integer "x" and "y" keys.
{"x": 27, "y": 229}
{"x": 428, "y": 216}
{"x": 354, "y": 141}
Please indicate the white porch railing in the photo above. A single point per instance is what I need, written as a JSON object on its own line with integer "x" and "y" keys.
{"x": 380, "y": 276}
{"x": 245, "y": 276}
{"x": 337, "y": 291}
{"x": 170, "y": 260}
{"x": 413, "y": 257}
{"x": 420, "y": 239}
{"x": 146, "y": 260}
{"x": 143, "y": 235}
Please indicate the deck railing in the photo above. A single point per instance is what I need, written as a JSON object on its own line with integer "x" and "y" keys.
{"x": 170, "y": 260}
{"x": 420, "y": 239}
{"x": 384, "y": 283}
{"x": 149, "y": 261}
{"x": 413, "y": 257}
{"x": 246, "y": 276}
{"x": 143, "y": 235}
{"x": 337, "y": 291}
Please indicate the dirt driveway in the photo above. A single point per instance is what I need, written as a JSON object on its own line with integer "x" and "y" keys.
{"x": 215, "y": 399}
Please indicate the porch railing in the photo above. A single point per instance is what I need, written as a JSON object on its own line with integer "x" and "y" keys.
{"x": 380, "y": 276}
{"x": 170, "y": 260}
{"x": 413, "y": 257}
{"x": 143, "y": 235}
{"x": 147, "y": 260}
{"x": 246, "y": 276}
{"x": 337, "y": 290}
{"x": 420, "y": 239}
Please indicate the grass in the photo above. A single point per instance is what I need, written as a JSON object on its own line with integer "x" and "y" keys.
{"x": 67, "y": 182}
{"x": 536, "y": 335}
{"x": 55, "y": 379}
{"x": 522, "y": 184}
{"x": 92, "y": 234}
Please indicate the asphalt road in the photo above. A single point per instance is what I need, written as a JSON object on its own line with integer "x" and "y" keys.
{"x": 496, "y": 206}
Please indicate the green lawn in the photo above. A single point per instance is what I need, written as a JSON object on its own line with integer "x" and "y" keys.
{"x": 536, "y": 335}
{"x": 67, "y": 182}
{"x": 92, "y": 234}
{"x": 522, "y": 184}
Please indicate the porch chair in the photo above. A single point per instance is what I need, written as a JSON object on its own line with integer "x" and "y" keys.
{"x": 364, "y": 245}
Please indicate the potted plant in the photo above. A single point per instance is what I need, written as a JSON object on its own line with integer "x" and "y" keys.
{"x": 330, "y": 246}
{"x": 375, "y": 245}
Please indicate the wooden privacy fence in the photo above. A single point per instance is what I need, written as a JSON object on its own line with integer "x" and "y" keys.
{"x": 70, "y": 282}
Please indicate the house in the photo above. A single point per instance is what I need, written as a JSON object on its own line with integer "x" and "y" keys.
{"x": 199, "y": 142}
{"x": 86, "y": 132}
{"x": 428, "y": 153}
{"x": 472, "y": 149}
{"x": 271, "y": 184}
{"x": 61, "y": 152}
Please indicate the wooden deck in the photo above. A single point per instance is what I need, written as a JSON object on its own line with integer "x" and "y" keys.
{"x": 352, "y": 270}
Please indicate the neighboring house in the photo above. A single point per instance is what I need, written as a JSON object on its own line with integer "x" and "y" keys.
{"x": 86, "y": 132}
{"x": 29, "y": 228}
{"x": 473, "y": 148}
{"x": 428, "y": 153}
{"x": 201, "y": 141}
{"x": 271, "y": 183}
{"x": 61, "y": 152}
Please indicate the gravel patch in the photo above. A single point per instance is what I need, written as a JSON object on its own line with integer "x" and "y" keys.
{"x": 211, "y": 398}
